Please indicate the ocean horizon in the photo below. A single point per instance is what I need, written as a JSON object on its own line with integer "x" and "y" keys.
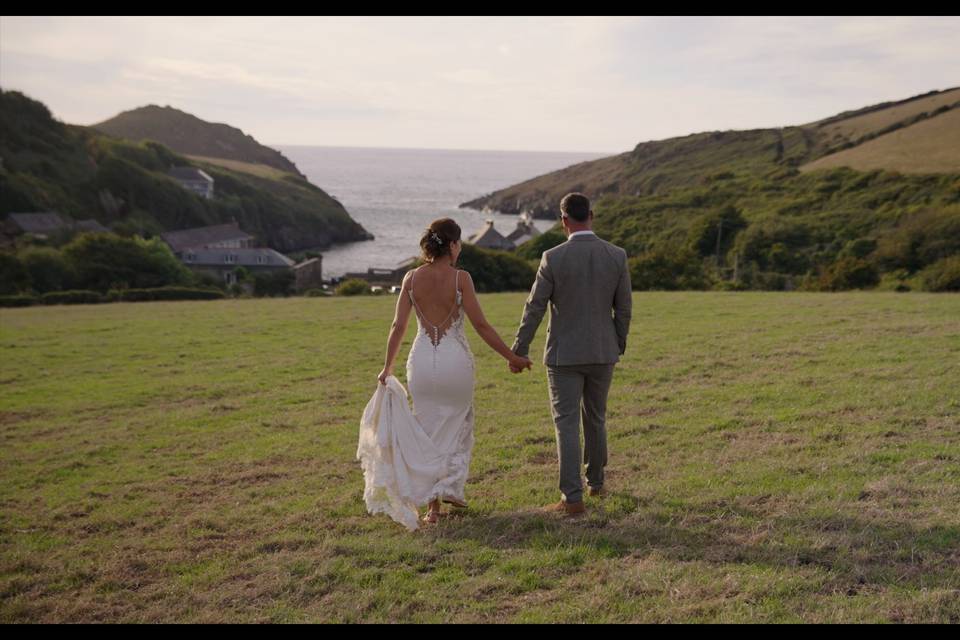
{"x": 396, "y": 192}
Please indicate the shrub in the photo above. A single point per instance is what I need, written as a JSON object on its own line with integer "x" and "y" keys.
{"x": 667, "y": 269}
{"x": 273, "y": 283}
{"x": 534, "y": 248}
{"x": 48, "y": 269}
{"x": 17, "y": 301}
{"x": 14, "y": 277}
{"x": 707, "y": 229}
{"x": 353, "y": 287}
{"x": 103, "y": 261}
{"x": 859, "y": 248}
{"x": 496, "y": 270}
{"x": 75, "y": 296}
{"x": 849, "y": 273}
{"x": 943, "y": 275}
{"x": 169, "y": 293}
{"x": 315, "y": 293}
{"x": 921, "y": 239}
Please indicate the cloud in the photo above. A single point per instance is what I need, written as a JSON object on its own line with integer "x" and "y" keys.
{"x": 561, "y": 83}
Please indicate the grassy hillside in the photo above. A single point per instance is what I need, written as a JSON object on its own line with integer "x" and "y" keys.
{"x": 51, "y": 166}
{"x": 773, "y": 458}
{"x": 659, "y": 166}
{"x": 851, "y": 127}
{"x": 189, "y": 135}
{"x": 781, "y": 208}
{"x": 262, "y": 170}
{"x": 929, "y": 146}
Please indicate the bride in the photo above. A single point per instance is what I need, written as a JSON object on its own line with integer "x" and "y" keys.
{"x": 411, "y": 458}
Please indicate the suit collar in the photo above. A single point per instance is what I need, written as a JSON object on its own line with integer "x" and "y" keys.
{"x": 581, "y": 236}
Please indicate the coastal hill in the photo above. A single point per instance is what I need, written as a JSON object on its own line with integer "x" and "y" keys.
{"x": 866, "y": 198}
{"x": 80, "y": 171}
{"x": 916, "y": 135}
{"x": 189, "y": 135}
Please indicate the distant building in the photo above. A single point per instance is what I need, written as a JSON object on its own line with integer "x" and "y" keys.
{"x": 90, "y": 226}
{"x": 222, "y": 262}
{"x": 308, "y": 274}
{"x": 525, "y": 230}
{"x": 490, "y": 238}
{"x": 41, "y": 225}
{"x": 220, "y": 236}
{"x": 384, "y": 276}
{"x": 376, "y": 276}
{"x": 193, "y": 179}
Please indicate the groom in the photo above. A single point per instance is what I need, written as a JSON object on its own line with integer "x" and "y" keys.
{"x": 586, "y": 283}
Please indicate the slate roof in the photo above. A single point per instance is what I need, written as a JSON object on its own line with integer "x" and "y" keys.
{"x": 524, "y": 231}
{"x": 189, "y": 173}
{"x": 91, "y": 225}
{"x": 38, "y": 222}
{"x": 305, "y": 263}
{"x": 199, "y": 237}
{"x": 240, "y": 257}
{"x": 490, "y": 238}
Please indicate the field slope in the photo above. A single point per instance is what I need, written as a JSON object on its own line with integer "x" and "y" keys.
{"x": 929, "y": 146}
{"x": 773, "y": 457}
{"x": 656, "y": 167}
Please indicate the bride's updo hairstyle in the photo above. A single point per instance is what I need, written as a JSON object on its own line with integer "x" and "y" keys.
{"x": 436, "y": 240}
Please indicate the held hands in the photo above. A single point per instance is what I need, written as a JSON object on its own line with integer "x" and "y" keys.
{"x": 519, "y": 363}
{"x": 386, "y": 373}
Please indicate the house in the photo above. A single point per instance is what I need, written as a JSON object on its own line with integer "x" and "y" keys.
{"x": 222, "y": 262}
{"x": 220, "y": 236}
{"x": 193, "y": 179}
{"x": 308, "y": 274}
{"x": 90, "y": 226}
{"x": 384, "y": 276}
{"x": 525, "y": 230}
{"x": 40, "y": 225}
{"x": 376, "y": 276}
{"x": 490, "y": 238}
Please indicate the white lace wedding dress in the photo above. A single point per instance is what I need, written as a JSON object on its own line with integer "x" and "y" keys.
{"x": 409, "y": 457}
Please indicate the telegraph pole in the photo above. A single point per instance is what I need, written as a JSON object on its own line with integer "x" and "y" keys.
{"x": 719, "y": 235}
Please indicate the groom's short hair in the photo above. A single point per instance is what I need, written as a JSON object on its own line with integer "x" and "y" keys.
{"x": 576, "y": 206}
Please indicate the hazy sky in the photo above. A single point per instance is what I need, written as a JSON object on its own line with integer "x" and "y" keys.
{"x": 577, "y": 84}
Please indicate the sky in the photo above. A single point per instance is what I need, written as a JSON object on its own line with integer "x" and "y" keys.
{"x": 588, "y": 84}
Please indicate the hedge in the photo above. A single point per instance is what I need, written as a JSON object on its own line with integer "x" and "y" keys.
{"x": 165, "y": 293}
{"x": 17, "y": 301}
{"x": 72, "y": 296}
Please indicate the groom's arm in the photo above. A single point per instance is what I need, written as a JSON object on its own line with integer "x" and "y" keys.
{"x": 623, "y": 305}
{"x": 534, "y": 309}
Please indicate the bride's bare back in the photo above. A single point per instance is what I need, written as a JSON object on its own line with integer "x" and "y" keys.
{"x": 436, "y": 296}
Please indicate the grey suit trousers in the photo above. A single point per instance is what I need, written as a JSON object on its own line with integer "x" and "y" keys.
{"x": 580, "y": 392}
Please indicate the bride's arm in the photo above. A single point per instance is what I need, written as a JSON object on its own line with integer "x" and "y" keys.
{"x": 397, "y": 330}
{"x": 484, "y": 329}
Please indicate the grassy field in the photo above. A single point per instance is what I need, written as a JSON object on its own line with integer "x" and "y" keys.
{"x": 929, "y": 146}
{"x": 773, "y": 457}
{"x": 855, "y": 127}
{"x": 261, "y": 170}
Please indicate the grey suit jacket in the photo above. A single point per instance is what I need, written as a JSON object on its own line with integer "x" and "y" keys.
{"x": 586, "y": 283}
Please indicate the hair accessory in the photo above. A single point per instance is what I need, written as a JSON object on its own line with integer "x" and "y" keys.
{"x": 436, "y": 238}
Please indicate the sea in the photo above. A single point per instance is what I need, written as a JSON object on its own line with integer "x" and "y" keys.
{"x": 396, "y": 193}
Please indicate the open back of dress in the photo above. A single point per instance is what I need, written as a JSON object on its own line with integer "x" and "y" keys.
{"x": 440, "y": 379}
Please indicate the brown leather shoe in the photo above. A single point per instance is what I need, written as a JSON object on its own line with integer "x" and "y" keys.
{"x": 598, "y": 492}
{"x": 566, "y": 508}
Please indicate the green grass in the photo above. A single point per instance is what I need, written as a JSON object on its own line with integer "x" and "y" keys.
{"x": 773, "y": 457}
